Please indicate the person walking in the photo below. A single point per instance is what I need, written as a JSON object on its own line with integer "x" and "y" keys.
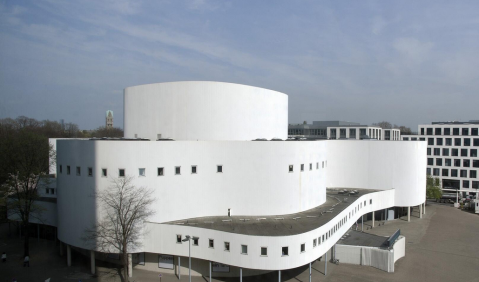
{"x": 26, "y": 261}
{"x": 4, "y": 257}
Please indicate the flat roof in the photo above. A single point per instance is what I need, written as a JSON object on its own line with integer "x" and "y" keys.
{"x": 280, "y": 225}
{"x": 357, "y": 238}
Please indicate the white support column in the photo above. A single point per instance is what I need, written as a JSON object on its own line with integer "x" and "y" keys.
{"x": 424, "y": 211}
{"x": 362, "y": 223}
{"x": 279, "y": 275}
{"x": 210, "y": 271}
{"x": 373, "y": 218}
{"x": 179, "y": 268}
{"x": 130, "y": 266}
{"x": 69, "y": 256}
{"x": 309, "y": 272}
{"x": 92, "y": 258}
{"x": 408, "y": 214}
{"x": 241, "y": 275}
{"x": 420, "y": 211}
{"x": 326, "y": 264}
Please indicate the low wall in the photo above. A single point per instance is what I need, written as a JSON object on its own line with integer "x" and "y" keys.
{"x": 372, "y": 256}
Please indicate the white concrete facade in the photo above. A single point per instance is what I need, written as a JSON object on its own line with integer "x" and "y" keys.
{"x": 257, "y": 178}
{"x": 204, "y": 110}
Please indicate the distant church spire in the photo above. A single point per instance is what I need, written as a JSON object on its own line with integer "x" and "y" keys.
{"x": 109, "y": 119}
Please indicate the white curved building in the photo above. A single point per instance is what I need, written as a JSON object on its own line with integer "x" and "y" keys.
{"x": 245, "y": 201}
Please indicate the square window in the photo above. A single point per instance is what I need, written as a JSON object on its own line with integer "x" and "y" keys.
{"x": 90, "y": 171}
{"x": 465, "y": 131}
{"x": 453, "y": 172}
{"x": 430, "y": 161}
{"x": 178, "y": 239}
{"x": 457, "y": 162}
{"x": 467, "y": 141}
{"x": 445, "y": 172}
{"x": 466, "y": 163}
{"x": 302, "y": 167}
{"x": 290, "y": 168}
{"x": 422, "y": 130}
{"x": 473, "y": 153}
{"x": 219, "y": 168}
{"x": 196, "y": 241}
{"x": 439, "y": 162}
{"x": 244, "y": 249}
{"x": 314, "y": 243}
{"x": 303, "y": 248}
{"x": 429, "y": 131}
{"x": 474, "y": 131}
{"x": 78, "y": 170}
{"x": 141, "y": 172}
{"x": 160, "y": 171}
{"x": 437, "y": 131}
{"x": 465, "y": 184}
{"x": 61, "y": 169}
{"x": 455, "y": 131}
{"x": 284, "y": 251}
{"x": 448, "y": 141}
{"x": 475, "y": 142}
{"x": 475, "y": 184}
{"x": 428, "y": 151}
{"x": 447, "y": 162}
{"x": 211, "y": 243}
{"x": 439, "y": 141}
{"x": 68, "y": 169}
{"x": 435, "y": 172}
{"x": 475, "y": 163}
{"x": 104, "y": 172}
{"x": 455, "y": 152}
{"x": 264, "y": 251}
{"x": 472, "y": 174}
{"x": 437, "y": 151}
{"x": 121, "y": 172}
{"x": 457, "y": 142}
{"x": 463, "y": 173}
{"x": 177, "y": 170}
{"x": 447, "y": 131}
{"x": 430, "y": 141}
{"x": 445, "y": 151}
{"x": 227, "y": 246}
{"x": 193, "y": 169}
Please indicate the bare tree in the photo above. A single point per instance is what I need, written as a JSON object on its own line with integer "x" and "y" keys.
{"x": 383, "y": 124}
{"x": 125, "y": 208}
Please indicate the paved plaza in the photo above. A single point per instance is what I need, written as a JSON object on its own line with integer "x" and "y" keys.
{"x": 443, "y": 246}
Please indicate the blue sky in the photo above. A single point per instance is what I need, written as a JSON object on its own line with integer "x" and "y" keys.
{"x": 407, "y": 62}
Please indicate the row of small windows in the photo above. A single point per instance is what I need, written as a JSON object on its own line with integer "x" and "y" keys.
{"x": 457, "y": 141}
{"x": 291, "y": 167}
{"x": 454, "y": 152}
{"x": 452, "y": 162}
{"x": 447, "y": 131}
{"x": 454, "y": 172}
{"x": 141, "y": 171}
{"x": 284, "y": 250}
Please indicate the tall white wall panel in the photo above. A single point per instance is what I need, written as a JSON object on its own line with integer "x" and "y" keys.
{"x": 204, "y": 110}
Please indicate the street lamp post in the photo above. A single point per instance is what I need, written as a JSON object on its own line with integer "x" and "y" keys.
{"x": 188, "y": 238}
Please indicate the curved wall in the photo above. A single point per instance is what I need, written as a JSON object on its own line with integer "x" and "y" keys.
{"x": 255, "y": 178}
{"x": 204, "y": 110}
{"x": 380, "y": 165}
